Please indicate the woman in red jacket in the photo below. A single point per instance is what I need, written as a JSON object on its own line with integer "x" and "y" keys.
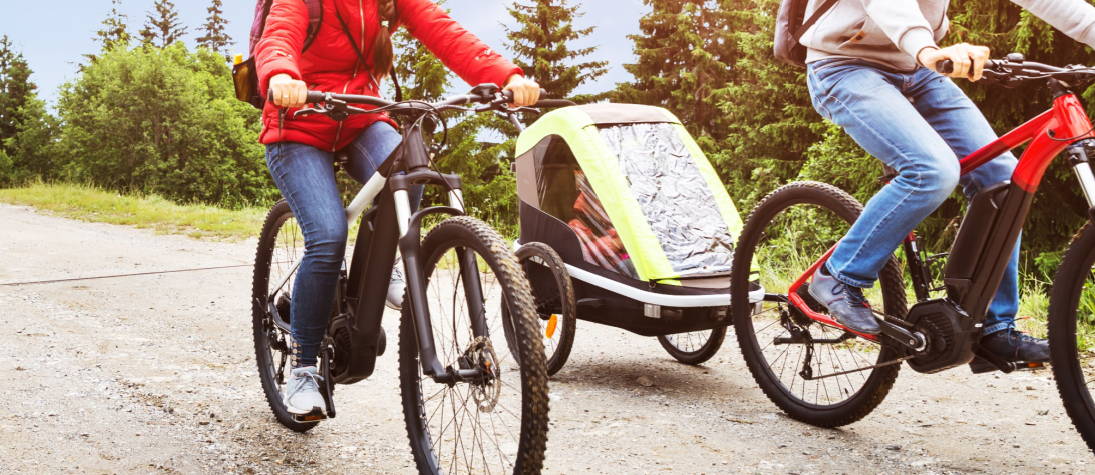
{"x": 300, "y": 151}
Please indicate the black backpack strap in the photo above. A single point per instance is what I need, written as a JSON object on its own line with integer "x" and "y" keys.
{"x": 361, "y": 55}
{"x": 821, "y": 10}
{"x": 315, "y": 19}
{"x": 395, "y": 74}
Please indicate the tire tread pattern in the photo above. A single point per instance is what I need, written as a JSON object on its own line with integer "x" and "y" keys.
{"x": 534, "y": 424}
{"x": 882, "y": 379}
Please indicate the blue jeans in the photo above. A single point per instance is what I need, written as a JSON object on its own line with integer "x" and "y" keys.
{"x": 306, "y": 177}
{"x": 920, "y": 124}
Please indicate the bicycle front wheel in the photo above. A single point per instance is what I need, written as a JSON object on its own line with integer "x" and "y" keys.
{"x": 1072, "y": 332}
{"x": 499, "y": 423}
{"x": 818, "y": 374}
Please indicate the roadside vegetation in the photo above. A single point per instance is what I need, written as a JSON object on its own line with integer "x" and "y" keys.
{"x": 89, "y": 203}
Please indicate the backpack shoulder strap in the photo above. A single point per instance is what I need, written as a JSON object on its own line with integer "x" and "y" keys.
{"x": 821, "y": 10}
{"x": 361, "y": 55}
{"x": 315, "y": 19}
{"x": 262, "y": 10}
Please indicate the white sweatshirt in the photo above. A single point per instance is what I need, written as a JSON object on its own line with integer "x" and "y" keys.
{"x": 892, "y": 32}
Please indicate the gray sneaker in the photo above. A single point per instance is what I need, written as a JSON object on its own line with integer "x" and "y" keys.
{"x": 394, "y": 300}
{"x": 302, "y": 396}
{"x": 845, "y": 303}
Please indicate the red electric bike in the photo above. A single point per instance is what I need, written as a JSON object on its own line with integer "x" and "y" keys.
{"x": 825, "y": 374}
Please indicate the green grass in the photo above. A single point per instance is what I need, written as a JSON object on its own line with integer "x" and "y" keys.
{"x": 88, "y": 203}
{"x": 1033, "y": 308}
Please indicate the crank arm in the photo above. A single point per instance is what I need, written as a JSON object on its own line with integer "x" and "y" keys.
{"x": 908, "y": 339}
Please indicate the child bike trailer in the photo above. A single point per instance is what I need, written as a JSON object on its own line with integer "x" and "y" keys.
{"x": 624, "y": 222}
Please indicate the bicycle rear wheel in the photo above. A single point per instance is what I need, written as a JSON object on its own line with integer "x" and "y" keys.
{"x": 1072, "y": 332}
{"x": 694, "y": 347}
{"x": 815, "y": 373}
{"x": 498, "y": 424}
{"x": 280, "y": 248}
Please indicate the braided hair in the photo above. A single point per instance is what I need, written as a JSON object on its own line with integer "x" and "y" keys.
{"x": 382, "y": 48}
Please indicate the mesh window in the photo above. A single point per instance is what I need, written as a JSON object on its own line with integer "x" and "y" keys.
{"x": 674, "y": 196}
{"x": 566, "y": 194}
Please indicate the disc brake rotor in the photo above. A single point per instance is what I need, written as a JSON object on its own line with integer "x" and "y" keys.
{"x": 486, "y": 393}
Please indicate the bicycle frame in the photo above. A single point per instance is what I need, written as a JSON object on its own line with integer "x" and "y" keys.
{"x": 987, "y": 249}
{"x": 388, "y": 224}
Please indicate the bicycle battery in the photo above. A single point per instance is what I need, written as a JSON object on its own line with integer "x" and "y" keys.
{"x": 969, "y": 246}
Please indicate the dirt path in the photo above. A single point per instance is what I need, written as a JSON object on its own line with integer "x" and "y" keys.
{"x": 156, "y": 373}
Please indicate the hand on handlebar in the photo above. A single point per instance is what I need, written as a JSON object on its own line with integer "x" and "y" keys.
{"x": 285, "y": 91}
{"x": 964, "y": 60}
{"x": 525, "y": 91}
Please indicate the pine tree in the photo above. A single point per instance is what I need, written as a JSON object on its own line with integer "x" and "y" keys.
{"x": 542, "y": 46}
{"x": 216, "y": 36}
{"x": 685, "y": 55}
{"x": 26, "y": 129}
{"x": 421, "y": 74}
{"x": 162, "y": 26}
{"x": 16, "y": 89}
{"x": 768, "y": 124}
{"x": 113, "y": 31}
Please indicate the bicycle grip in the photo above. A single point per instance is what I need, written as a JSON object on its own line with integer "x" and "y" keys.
{"x": 551, "y": 103}
{"x": 313, "y": 97}
{"x": 545, "y": 103}
{"x": 945, "y": 66}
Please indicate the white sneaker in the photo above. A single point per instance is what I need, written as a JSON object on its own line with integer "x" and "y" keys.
{"x": 302, "y": 394}
{"x": 394, "y": 300}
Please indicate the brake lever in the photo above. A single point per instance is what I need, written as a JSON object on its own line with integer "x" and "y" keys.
{"x": 309, "y": 111}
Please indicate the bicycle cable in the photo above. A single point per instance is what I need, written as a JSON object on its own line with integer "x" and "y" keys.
{"x": 114, "y": 276}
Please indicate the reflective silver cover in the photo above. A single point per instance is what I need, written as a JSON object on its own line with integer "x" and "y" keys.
{"x": 674, "y": 197}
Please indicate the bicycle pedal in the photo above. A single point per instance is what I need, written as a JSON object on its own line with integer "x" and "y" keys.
{"x": 980, "y": 365}
{"x": 315, "y": 415}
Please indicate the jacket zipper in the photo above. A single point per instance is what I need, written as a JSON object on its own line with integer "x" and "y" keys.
{"x": 357, "y": 65}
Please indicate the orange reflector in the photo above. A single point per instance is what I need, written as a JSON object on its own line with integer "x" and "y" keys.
{"x": 552, "y": 322}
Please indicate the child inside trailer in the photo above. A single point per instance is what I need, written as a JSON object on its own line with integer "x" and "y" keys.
{"x": 601, "y": 244}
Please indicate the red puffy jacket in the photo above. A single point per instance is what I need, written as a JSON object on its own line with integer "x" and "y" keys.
{"x": 331, "y": 65}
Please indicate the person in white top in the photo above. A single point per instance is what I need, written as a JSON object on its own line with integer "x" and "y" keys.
{"x": 871, "y": 70}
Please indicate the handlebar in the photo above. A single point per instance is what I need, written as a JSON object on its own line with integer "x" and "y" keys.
{"x": 1015, "y": 69}
{"x": 488, "y": 96}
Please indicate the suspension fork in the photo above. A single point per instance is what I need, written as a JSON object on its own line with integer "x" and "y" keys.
{"x": 469, "y": 273}
{"x": 410, "y": 232}
{"x": 1077, "y": 157}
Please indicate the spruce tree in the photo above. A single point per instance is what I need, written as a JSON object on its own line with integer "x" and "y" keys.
{"x": 542, "y": 46}
{"x": 113, "y": 31}
{"x": 685, "y": 52}
{"x": 420, "y": 73}
{"x": 16, "y": 89}
{"x": 216, "y": 36}
{"x": 768, "y": 124}
{"x": 162, "y": 25}
{"x": 26, "y": 129}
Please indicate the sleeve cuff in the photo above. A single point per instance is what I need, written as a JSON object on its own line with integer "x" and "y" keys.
{"x": 915, "y": 40}
{"x": 510, "y": 72}
{"x": 280, "y": 67}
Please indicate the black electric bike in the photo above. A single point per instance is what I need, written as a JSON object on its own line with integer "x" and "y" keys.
{"x": 471, "y": 361}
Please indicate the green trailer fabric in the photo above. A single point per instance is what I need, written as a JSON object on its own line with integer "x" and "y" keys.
{"x": 632, "y": 157}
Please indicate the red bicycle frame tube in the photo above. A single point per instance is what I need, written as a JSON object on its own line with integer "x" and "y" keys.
{"x": 1048, "y": 134}
{"x": 798, "y": 302}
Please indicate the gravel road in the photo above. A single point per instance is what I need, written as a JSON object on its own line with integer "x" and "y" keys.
{"x": 156, "y": 374}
